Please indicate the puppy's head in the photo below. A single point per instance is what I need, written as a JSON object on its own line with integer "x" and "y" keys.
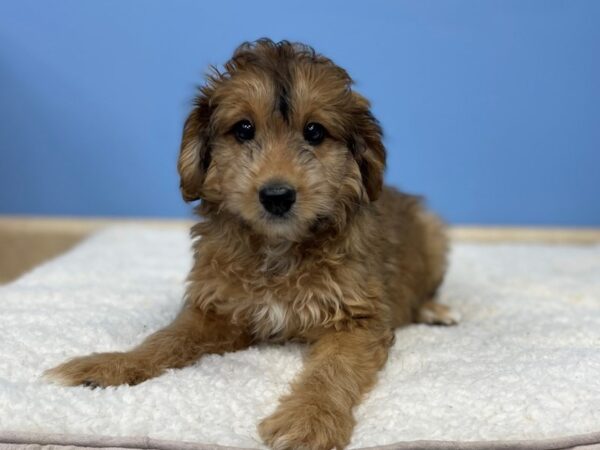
{"x": 280, "y": 141}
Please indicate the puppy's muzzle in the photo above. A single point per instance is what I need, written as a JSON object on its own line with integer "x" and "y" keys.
{"x": 277, "y": 198}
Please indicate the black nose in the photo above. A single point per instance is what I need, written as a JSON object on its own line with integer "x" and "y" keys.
{"x": 277, "y": 198}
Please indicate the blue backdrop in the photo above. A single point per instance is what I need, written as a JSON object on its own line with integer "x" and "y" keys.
{"x": 491, "y": 108}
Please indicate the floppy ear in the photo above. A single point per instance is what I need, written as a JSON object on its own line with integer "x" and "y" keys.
{"x": 194, "y": 153}
{"x": 367, "y": 146}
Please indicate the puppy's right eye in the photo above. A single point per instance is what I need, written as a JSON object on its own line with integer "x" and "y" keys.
{"x": 314, "y": 133}
{"x": 243, "y": 130}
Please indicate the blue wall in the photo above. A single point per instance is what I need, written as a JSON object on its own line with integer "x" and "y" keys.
{"x": 491, "y": 108}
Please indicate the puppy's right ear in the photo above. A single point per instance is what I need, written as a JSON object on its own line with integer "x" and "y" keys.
{"x": 367, "y": 147}
{"x": 194, "y": 154}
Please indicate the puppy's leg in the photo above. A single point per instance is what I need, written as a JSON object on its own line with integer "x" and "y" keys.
{"x": 317, "y": 414}
{"x": 433, "y": 313}
{"x": 192, "y": 334}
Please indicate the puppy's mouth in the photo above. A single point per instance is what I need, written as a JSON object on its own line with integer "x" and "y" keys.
{"x": 283, "y": 219}
{"x": 278, "y": 218}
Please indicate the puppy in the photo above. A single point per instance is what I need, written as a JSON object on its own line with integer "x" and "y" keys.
{"x": 299, "y": 240}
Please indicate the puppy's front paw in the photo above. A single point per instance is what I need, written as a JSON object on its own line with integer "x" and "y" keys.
{"x": 100, "y": 370}
{"x": 306, "y": 426}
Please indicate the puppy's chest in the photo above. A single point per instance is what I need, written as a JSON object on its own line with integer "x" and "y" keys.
{"x": 281, "y": 296}
{"x": 289, "y": 304}
{"x": 294, "y": 307}
{"x": 275, "y": 319}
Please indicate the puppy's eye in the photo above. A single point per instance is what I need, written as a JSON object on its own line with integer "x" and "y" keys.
{"x": 314, "y": 133}
{"x": 243, "y": 130}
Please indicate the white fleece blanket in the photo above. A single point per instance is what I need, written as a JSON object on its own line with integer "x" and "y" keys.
{"x": 524, "y": 363}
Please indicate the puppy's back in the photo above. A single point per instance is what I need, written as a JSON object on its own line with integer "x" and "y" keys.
{"x": 412, "y": 253}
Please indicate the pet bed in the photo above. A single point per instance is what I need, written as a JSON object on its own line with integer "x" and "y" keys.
{"x": 522, "y": 370}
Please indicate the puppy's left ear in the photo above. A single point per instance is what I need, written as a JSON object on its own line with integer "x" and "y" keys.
{"x": 367, "y": 146}
{"x": 194, "y": 154}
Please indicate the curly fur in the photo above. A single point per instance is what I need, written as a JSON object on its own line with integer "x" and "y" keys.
{"x": 352, "y": 261}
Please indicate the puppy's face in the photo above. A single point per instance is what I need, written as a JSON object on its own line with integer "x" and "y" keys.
{"x": 281, "y": 142}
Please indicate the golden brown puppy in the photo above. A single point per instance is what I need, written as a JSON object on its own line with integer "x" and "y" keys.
{"x": 299, "y": 241}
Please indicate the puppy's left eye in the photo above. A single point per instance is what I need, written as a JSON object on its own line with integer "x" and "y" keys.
{"x": 314, "y": 133}
{"x": 243, "y": 130}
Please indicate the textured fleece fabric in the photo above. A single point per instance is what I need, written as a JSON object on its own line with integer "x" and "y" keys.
{"x": 521, "y": 370}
